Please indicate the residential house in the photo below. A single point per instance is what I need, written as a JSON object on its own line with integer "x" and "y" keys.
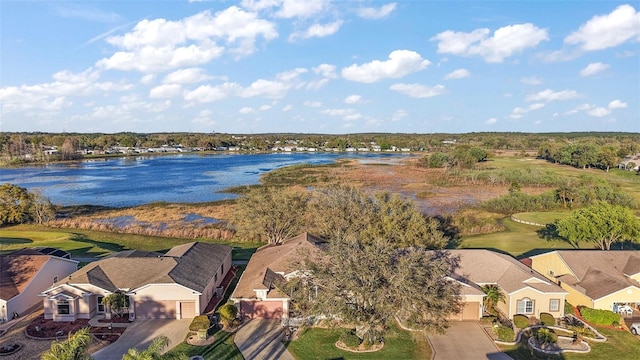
{"x": 526, "y": 291}
{"x": 175, "y": 285}
{"x": 256, "y": 294}
{"x": 594, "y": 278}
{"x": 24, "y": 274}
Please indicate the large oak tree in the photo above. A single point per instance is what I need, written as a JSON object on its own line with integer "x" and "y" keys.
{"x": 602, "y": 224}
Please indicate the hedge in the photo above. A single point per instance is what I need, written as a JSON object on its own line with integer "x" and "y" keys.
{"x": 521, "y": 321}
{"x": 547, "y": 319}
{"x": 199, "y": 322}
{"x": 599, "y": 317}
{"x": 504, "y": 333}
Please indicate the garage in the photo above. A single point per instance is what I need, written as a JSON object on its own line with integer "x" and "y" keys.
{"x": 187, "y": 310}
{"x": 261, "y": 309}
{"x": 150, "y": 309}
{"x": 470, "y": 311}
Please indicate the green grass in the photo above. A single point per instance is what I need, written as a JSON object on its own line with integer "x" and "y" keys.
{"x": 620, "y": 345}
{"x": 316, "y": 343}
{"x": 88, "y": 243}
{"x": 223, "y": 348}
{"x": 517, "y": 239}
{"x": 541, "y": 217}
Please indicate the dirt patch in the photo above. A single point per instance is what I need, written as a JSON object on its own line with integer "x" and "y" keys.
{"x": 47, "y": 329}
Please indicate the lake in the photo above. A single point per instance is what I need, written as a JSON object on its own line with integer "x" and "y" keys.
{"x": 137, "y": 180}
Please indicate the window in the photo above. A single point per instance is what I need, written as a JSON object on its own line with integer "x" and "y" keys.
{"x": 100, "y": 304}
{"x": 215, "y": 278}
{"x": 525, "y": 306}
{"x": 554, "y": 305}
{"x": 63, "y": 307}
{"x": 222, "y": 269}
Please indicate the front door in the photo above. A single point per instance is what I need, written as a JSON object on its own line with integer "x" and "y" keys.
{"x": 101, "y": 307}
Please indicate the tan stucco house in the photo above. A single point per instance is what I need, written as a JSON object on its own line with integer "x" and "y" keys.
{"x": 526, "y": 291}
{"x": 175, "y": 285}
{"x": 594, "y": 278}
{"x": 27, "y": 272}
{"x": 256, "y": 295}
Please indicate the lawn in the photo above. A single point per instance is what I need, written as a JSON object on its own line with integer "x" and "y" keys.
{"x": 223, "y": 348}
{"x": 316, "y": 343}
{"x": 620, "y": 345}
{"x": 88, "y": 243}
{"x": 517, "y": 239}
{"x": 541, "y": 217}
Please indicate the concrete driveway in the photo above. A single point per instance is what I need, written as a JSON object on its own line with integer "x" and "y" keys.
{"x": 465, "y": 340}
{"x": 261, "y": 340}
{"x": 140, "y": 334}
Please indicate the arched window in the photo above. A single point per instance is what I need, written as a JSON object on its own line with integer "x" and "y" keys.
{"x": 525, "y": 306}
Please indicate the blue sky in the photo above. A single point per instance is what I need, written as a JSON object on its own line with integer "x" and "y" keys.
{"x": 319, "y": 66}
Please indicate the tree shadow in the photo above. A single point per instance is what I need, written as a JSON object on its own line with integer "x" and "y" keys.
{"x": 107, "y": 246}
{"x": 449, "y": 230}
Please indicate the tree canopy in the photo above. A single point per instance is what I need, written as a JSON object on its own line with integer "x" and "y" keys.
{"x": 602, "y": 224}
{"x": 74, "y": 348}
{"x": 373, "y": 283}
{"x": 18, "y": 205}
{"x": 270, "y": 214}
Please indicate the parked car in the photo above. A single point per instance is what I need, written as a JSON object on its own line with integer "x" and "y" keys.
{"x": 635, "y": 328}
{"x": 625, "y": 309}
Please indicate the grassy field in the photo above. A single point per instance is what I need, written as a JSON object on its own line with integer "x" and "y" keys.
{"x": 87, "y": 243}
{"x": 223, "y": 348}
{"x": 318, "y": 343}
{"x": 542, "y": 217}
{"x": 519, "y": 240}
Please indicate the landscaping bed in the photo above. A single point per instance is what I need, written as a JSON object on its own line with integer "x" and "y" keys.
{"x": 43, "y": 329}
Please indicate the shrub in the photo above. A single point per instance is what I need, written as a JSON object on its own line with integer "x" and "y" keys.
{"x": 545, "y": 336}
{"x": 521, "y": 321}
{"x": 490, "y": 319}
{"x": 199, "y": 322}
{"x": 568, "y": 308}
{"x": 350, "y": 339}
{"x": 504, "y": 333}
{"x": 599, "y": 317}
{"x": 228, "y": 313}
{"x": 547, "y": 319}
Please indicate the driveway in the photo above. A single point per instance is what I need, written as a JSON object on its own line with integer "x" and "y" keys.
{"x": 261, "y": 340}
{"x": 140, "y": 334}
{"x": 465, "y": 340}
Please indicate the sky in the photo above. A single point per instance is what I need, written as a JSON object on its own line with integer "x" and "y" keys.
{"x": 319, "y": 66}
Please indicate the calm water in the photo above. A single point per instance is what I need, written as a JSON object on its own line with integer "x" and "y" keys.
{"x": 130, "y": 181}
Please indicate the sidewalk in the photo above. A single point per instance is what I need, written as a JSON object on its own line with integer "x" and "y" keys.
{"x": 94, "y": 322}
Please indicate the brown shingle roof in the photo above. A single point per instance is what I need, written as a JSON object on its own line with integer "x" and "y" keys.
{"x": 191, "y": 265}
{"x": 284, "y": 259}
{"x": 488, "y": 267}
{"x": 17, "y": 271}
{"x": 598, "y": 273}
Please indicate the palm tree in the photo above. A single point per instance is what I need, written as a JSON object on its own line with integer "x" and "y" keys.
{"x": 74, "y": 348}
{"x": 153, "y": 352}
{"x": 493, "y": 296}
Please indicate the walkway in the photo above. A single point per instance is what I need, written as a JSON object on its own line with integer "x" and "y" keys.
{"x": 260, "y": 339}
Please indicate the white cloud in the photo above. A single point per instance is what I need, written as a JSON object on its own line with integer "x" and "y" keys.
{"x": 317, "y": 30}
{"x": 505, "y": 42}
{"x": 458, "y": 74}
{"x": 605, "y": 31}
{"x": 288, "y": 107}
{"x": 346, "y": 114}
{"x": 87, "y": 12}
{"x": 418, "y": 90}
{"x": 314, "y": 104}
{"x": 518, "y": 112}
{"x": 593, "y": 68}
{"x": 491, "y": 121}
{"x": 376, "y": 13}
{"x": 247, "y": 110}
{"x": 147, "y": 79}
{"x": 531, "y": 80}
{"x": 165, "y": 91}
{"x": 186, "y": 76}
{"x": 301, "y": 8}
{"x": 583, "y": 107}
{"x": 399, "y": 64}
{"x": 156, "y": 45}
{"x": 206, "y": 93}
{"x": 352, "y": 99}
{"x": 265, "y": 107}
{"x": 599, "y": 112}
{"x": 290, "y": 75}
{"x": 550, "y": 95}
{"x": 326, "y": 70}
{"x": 399, "y": 115}
{"x": 318, "y": 84}
{"x": 617, "y": 104}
